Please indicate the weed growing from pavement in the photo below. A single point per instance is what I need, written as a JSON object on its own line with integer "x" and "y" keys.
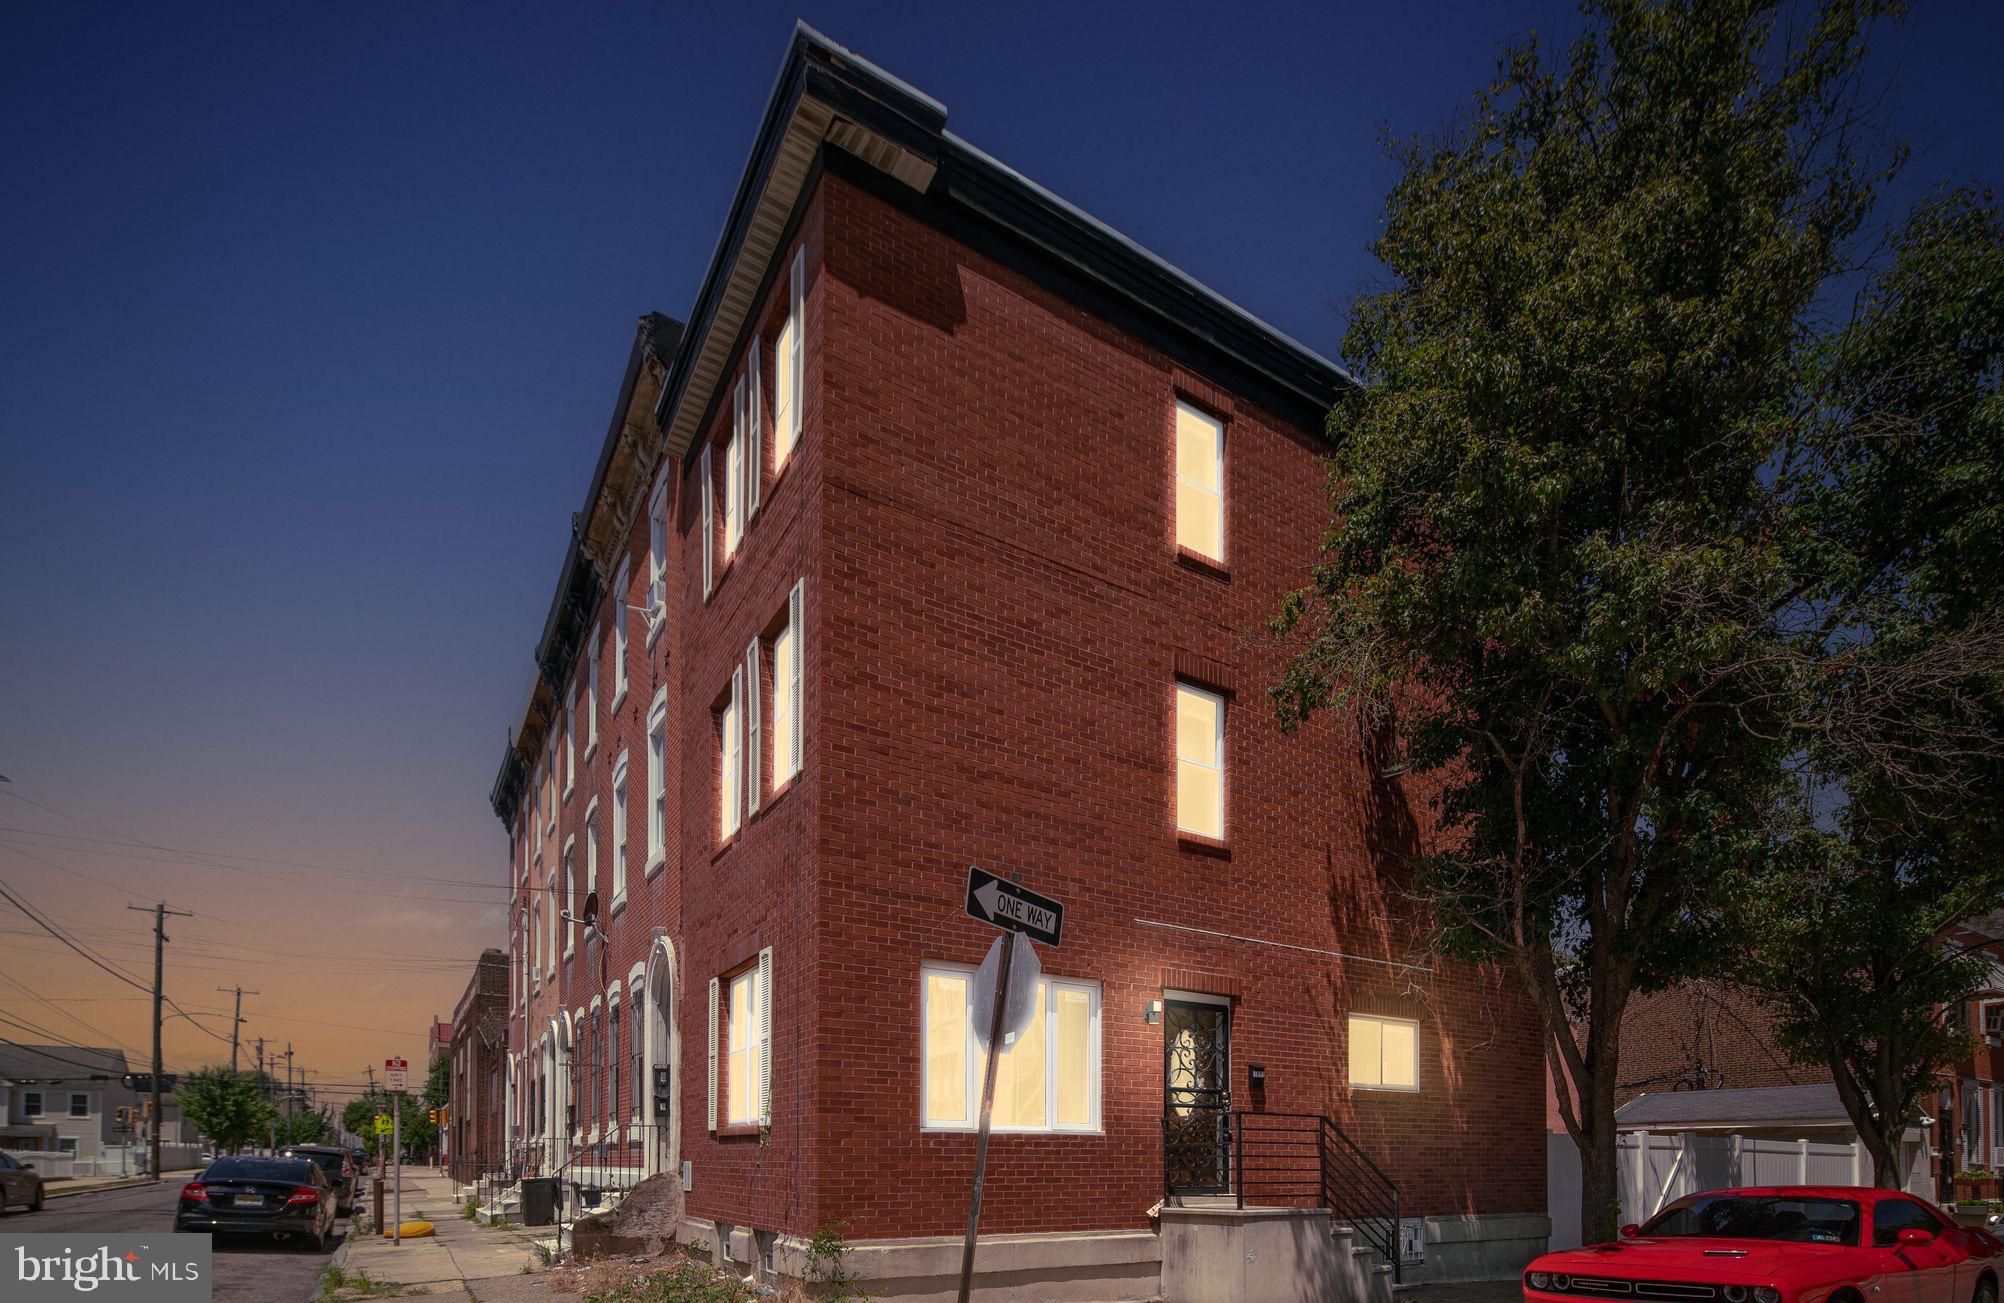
{"x": 826, "y": 1251}
{"x": 472, "y": 1212}
{"x": 336, "y": 1284}
{"x": 686, "y": 1280}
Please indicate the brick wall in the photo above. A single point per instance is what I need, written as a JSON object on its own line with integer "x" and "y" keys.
{"x": 1002, "y": 612}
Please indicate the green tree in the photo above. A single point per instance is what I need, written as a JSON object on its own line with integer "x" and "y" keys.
{"x": 1574, "y": 574}
{"x": 1900, "y": 833}
{"x": 358, "y": 1116}
{"x": 438, "y": 1083}
{"x": 224, "y": 1105}
{"x": 305, "y": 1127}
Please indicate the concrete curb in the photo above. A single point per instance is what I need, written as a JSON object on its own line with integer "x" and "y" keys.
{"x": 133, "y": 1184}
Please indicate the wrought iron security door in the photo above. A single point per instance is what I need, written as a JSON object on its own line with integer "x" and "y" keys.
{"x": 1196, "y": 1097}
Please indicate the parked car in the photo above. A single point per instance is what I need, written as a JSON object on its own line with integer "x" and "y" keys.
{"x": 1782, "y": 1244}
{"x": 20, "y": 1184}
{"x": 280, "y": 1197}
{"x": 340, "y": 1169}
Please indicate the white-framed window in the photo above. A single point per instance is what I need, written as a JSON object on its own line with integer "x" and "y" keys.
{"x": 596, "y": 646}
{"x": 637, "y": 1010}
{"x": 709, "y": 529}
{"x": 31, "y": 1103}
{"x": 657, "y": 560}
{"x": 1384, "y": 1052}
{"x": 569, "y": 903}
{"x": 730, "y": 781}
{"x": 621, "y": 615}
{"x": 591, "y": 847}
{"x": 571, "y": 743}
{"x": 657, "y": 783}
{"x": 609, "y": 1070}
{"x": 734, "y": 473}
{"x": 1200, "y": 761}
{"x": 741, "y": 1065}
{"x": 79, "y": 1106}
{"x": 786, "y": 368}
{"x": 1200, "y": 482}
{"x": 786, "y": 691}
{"x": 66, "y": 1145}
{"x": 619, "y": 829}
{"x": 1049, "y": 1076}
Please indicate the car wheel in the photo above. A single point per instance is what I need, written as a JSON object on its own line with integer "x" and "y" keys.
{"x": 1986, "y": 1292}
{"x": 41, "y": 1193}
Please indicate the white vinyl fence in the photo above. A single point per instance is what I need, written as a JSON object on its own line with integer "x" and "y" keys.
{"x": 1658, "y": 1168}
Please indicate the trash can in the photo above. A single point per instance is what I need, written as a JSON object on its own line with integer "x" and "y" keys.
{"x": 539, "y": 1200}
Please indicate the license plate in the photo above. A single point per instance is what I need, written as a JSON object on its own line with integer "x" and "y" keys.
{"x": 250, "y": 1201}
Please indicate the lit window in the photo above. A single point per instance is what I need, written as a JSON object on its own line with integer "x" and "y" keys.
{"x": 1048, "y": 1077}
{"x": 734, "y": 474}
{"x": 741, "y": 1069}
{"x": 1200, "y": 482}
{"x": 786, "y": 698}
{"x": 1200, "y": 761}
{"x": 1384, "y": 1053}
{"x": 728, "y": 784}
{"x": 786, "y": 370}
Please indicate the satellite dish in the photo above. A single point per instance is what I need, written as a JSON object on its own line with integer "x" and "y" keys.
{"x": 591, "y": 911}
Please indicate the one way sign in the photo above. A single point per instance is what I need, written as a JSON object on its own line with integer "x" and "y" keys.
{"x": 1013, "y": 908}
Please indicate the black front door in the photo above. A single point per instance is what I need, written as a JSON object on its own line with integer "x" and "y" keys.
{"x": 1196, "y": 1097}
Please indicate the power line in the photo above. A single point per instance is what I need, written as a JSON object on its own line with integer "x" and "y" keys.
{"x": 53, "y": 931}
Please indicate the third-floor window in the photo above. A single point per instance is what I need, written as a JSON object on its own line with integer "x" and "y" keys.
{"x": 1200, "y": 482}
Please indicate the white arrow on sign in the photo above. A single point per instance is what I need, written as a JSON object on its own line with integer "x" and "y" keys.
{"x": 1019, "y": 1009}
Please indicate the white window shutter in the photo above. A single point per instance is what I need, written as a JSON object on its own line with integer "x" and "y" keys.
{"x": 765, "y": 1036}
{"x": 796, "y": 308}
{"x": 713, "y": 1054}
{"x": 796, "y": 604}
{"x": 755, "y": 435}
{"x": 753, "y": 769}
{"x": 709, "y": 529}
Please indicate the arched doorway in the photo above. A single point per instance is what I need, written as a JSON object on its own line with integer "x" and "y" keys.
{"x": 660, "y": 1134}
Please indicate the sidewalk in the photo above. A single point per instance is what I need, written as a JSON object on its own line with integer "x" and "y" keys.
{"x": 464, "y": 1260}
{"x": 56, "y": 1189}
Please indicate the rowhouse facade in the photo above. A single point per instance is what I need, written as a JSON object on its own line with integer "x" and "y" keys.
{"x": 945, "y": 534}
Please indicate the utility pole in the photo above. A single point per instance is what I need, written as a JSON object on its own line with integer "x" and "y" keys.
{"x": 236, "y": 1022}
{"x": 288, "y": 1092}
{"x": 160, "y": 913}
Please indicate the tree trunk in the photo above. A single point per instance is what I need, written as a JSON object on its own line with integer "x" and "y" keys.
{"x": 1600, "y": 1180}
{"x": 1886, "y": 1173}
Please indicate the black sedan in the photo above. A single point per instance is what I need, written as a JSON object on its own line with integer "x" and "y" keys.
{"x": 340, "y": 1169}
{"x": 279, "y": 1197}
{"x": 20, "y": 1185}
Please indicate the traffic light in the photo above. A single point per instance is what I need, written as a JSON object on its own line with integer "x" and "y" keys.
{"x": 433, "y": 1113}
{"x": 147, "y": 1107}
{"x": 124, "y": 1116}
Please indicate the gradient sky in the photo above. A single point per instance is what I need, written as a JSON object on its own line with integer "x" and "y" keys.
{"x": 311, "y": 319}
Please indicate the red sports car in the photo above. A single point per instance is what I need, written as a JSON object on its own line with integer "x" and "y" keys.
{"x": 1781, "y": 1244}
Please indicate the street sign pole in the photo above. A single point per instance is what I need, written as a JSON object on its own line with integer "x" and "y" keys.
{"x": 987, "y": 1111}
{"x": 397, "y": 1157}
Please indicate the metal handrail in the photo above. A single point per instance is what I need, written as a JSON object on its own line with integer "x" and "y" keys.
{"x": 1307, "y": 1156}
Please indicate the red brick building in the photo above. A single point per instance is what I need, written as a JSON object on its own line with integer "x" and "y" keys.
{"x": 945, "y": 534}
{"x": 477, "y": 1046}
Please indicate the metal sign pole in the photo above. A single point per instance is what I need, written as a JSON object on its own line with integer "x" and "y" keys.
{"x": 397, "y": 1157}
{"x": 987, "y": 1109}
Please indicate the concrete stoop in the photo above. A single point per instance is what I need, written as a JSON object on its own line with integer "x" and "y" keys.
{"x": 1202, "y": 1253}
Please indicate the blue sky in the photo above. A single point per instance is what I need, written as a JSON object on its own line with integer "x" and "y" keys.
{"x": 311, "y": 319}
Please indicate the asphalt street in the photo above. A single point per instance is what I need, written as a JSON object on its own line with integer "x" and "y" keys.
{"x": 248, "y": 1270}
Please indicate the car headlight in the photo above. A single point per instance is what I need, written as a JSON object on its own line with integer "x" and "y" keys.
{"x": 1766, "y": 1294}
{"x": 1562, "y": 1282}
{"x": 1735, "y": 1293}
{"x": 1539, "y": 1280}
